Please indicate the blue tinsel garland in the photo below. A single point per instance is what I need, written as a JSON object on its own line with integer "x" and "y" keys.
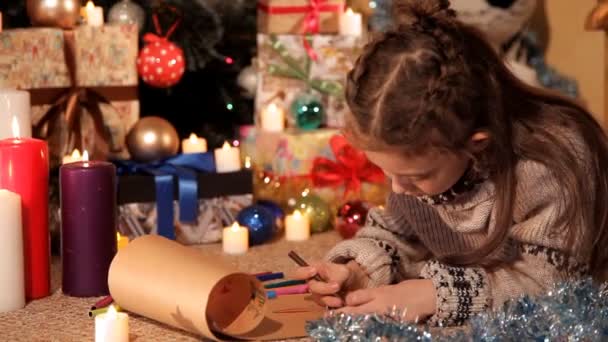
{"x": 574, "y": 311}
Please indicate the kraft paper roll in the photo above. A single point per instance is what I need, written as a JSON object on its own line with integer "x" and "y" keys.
{"x": 176, "y": 285}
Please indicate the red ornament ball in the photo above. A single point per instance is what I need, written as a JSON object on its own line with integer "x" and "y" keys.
{"x": 351, "y": 217}
{"x": 160, "y": 63}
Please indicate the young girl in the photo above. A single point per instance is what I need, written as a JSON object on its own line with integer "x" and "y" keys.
{"x": 499, "y": 189}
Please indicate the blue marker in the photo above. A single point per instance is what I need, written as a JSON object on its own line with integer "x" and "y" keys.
{"x": 271, "y": 276}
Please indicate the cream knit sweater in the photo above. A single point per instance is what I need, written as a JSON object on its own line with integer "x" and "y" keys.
{"x": 406, "y": 239}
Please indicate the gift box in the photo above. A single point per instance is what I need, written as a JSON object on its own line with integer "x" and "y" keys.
{"x": 299, "y": 16}
{"x": 119, "y": 117}
{"x": 288, "y": 163}
{"x": 192, "y": 207}
{"x": 83, "y": 84}
{"x": 287, "y": 72}
{"x": 35, "y": 58}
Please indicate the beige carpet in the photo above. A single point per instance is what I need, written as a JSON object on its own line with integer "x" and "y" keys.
{"x": 62, "y": 318}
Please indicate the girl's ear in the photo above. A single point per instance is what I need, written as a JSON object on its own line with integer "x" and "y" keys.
{"x": 479, "y": 141}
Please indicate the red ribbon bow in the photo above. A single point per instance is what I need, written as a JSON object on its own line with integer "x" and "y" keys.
{"x": 159, "y": 37}
{"x": 312, "y": 21}
{"x": 350, "y": 169}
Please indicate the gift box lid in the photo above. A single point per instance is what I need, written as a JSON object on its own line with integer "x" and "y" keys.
{"x": 141, "y": 188}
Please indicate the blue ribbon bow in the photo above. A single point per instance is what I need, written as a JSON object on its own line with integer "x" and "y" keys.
{"x": 185, "y": 167}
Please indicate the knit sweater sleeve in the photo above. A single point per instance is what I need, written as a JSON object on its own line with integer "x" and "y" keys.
{"x": 386, "y": 248}
{"x": 538, "y": 255}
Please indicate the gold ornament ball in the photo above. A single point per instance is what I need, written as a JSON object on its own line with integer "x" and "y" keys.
{"x": 317, "y": 210}
{"x": 56, "y": 13}
{"x": 152, "y": 138}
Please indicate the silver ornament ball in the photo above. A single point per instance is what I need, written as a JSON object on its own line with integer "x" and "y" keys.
{"x": 248, "y": 80}
{"x": 127, "y": 12}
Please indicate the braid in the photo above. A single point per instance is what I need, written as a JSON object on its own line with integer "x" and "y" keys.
{"x": 436, "y": 20}
{"x": 360, "y": 69}
{"x": 425, "y": 42}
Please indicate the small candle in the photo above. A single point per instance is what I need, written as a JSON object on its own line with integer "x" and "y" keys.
{"x": 94, "y": 14}
{"x": 248, "y": 162}
{"x": 227, "y": 158}
{"x": 297, "y": 227}
{"x": 12, "y": 277}
{"x": 74, "y": 157}
{"x": 88, "y": 226}
{"x": 194, "y": 144}
{"x": 24, "y": 170}
{"x": 273, "y": 118}
{"x": 351, "y": 23}
{"x": 121, "y": 241}
{"x": 235, "y": 239}
{"x": 15, "y": 105}
{"x": 112, "y": 326}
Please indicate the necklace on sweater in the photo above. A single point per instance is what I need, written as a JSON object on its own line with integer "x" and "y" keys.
{"x": 466, "y": 183}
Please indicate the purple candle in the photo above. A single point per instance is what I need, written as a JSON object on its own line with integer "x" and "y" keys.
{"x": 88, "y": 226}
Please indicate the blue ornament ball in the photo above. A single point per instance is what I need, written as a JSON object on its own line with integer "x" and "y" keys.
{"x": 308, "y": 112}
{"x": 276, "y": 210}
{"x": 260, "y": 221}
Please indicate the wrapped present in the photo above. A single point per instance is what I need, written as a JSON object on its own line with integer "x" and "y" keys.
{"x": 299, "y": 16}
{"x": 106, "y": 55}
{"x": 118, "y": 118}
{"x": 321, "y": 161}
{"x": 35, "y": 58}
{"x": 138, "y": 219}
{"x": 83, "y": 84}
{"x": 181, "y": 198}
{"x": 289, "y": 69}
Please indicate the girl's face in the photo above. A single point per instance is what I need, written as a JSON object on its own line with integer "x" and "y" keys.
{"x": 430, "y": 173}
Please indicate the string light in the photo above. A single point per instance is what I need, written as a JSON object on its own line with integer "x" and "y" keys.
{"x": 229, "y": 60}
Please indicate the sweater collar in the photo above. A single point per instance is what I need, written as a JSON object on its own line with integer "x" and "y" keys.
{"x": 465, "y": 184}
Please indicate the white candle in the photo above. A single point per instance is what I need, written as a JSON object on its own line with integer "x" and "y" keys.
{"x": 94, "y": 14}
{"x": 12, "y": 277}
{"x": 297, "y": 227}
{"x": 273, "y": 118}
{"x": 15, "y": 105}
{"x": 194, "y": 144}
{"x": 351, "y": 23}
{"x": 235, "y": 239}
{"x": 227, "y": 158}
{"x": 73, "y": 158}
{"x": 112, "y": 326}
{"x": 248, "y": 162}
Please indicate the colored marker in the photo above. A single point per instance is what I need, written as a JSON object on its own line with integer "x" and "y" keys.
{"x": 102, "y": 303}
{"x": 299, "y": 289}
{"x": 93, "y": 313}
{"x": 271, "y": 276}
{"x": 285, "y": 283}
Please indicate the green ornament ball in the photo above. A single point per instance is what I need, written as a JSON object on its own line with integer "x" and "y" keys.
{"x": 307, "y": 111}
{"x": 317, "y": 210}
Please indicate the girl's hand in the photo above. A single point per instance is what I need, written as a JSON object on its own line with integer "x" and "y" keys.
{"x": 338, "y": 278}
{"x": 416, "y": 297}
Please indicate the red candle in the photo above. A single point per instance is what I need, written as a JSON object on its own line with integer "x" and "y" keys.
{"x": 24, "y": 169}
